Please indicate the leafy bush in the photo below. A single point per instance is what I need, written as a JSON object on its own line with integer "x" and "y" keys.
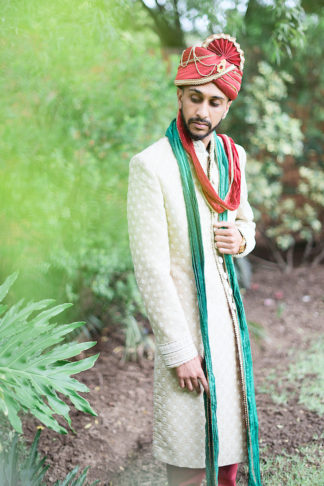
{"x": 80, "y": 99}
{"x": 285, "y": 195}
{"x": 20, "y": 469}
{"x": 34, "y": 366}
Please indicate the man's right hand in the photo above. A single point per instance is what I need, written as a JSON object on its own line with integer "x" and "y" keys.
{"x": 191, "y": 374}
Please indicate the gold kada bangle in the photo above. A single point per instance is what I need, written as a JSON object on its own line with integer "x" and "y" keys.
{"x": 242, "y": 245}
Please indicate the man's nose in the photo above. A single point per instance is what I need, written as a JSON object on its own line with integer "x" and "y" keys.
{"x": 202, "y": 110}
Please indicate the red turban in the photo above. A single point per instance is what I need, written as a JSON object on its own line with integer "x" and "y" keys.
{"x": 219, "y": 59}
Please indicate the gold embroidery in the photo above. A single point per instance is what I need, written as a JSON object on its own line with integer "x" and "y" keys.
{"x": 235, "y": 80}
{"x": 204, "y": 80}
{"x": 230, "y": 84}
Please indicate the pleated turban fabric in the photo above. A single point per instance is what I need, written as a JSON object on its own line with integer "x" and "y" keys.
{"x": 219, "y": 59}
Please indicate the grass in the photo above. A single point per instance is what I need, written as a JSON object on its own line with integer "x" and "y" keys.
{"x": 306, "y": 373}
{"x": 303, "y": 469}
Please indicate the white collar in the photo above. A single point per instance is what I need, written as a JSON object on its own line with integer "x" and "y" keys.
{"x": 201, "y": 149}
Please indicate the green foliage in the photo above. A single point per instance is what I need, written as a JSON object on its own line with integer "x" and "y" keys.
{"x": 19, "y": 468}
{"x": 81, "y": 91}
{"x": 18, "y": 471}
{"x": 287, "y": 198}
{"x": 282, "y": 19}
{"x": 304, "y": 468}
{"x": 274, "y": 131}
{"x": 289, "y": 29}
{"x": 257, "y": 330}
{"x": 114, "y": 292}
{"x": 34, "y": 366}
{"x": 306, "y": 373}
{"x": 72, "y": 479}
{"x": 81, "y": 97}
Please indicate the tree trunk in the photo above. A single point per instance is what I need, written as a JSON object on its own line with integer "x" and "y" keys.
{"x": 167, "y": 25}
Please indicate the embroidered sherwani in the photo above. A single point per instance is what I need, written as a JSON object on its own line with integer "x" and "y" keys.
{"x": 160, "y": 248}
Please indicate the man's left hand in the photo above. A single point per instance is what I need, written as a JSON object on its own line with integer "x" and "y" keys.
{"x": 227, "y": 237}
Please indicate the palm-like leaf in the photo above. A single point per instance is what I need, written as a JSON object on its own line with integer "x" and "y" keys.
{"x": 34, "y": 365}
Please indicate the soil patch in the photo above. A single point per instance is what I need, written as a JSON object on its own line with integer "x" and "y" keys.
{"x": 117, "y": 444}
{"x": 121, "y": 394}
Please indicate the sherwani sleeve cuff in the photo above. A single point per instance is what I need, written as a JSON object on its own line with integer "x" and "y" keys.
{"x": 248, "y": 235}
{"x": 176, "y": 353}
{"x": 244, "y": 216}
{"x": 150, "y": 248}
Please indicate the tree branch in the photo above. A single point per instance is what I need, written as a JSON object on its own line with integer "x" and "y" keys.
{"x": 167, "y": 25}
{"x": 277, "y": 255}
{"x": 290, "y": 258}
{"x": 318, "y": 258}
{"x": 160, "y": 7}
{"x": 177, "y": 14}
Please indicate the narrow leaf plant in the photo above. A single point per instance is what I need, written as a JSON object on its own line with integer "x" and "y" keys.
{"x": 34, "y": 362}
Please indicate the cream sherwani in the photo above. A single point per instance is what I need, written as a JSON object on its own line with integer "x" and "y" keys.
{"x": 160, "y": 248}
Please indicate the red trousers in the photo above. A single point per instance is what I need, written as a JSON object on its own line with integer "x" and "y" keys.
{"x": 184, "y": 476}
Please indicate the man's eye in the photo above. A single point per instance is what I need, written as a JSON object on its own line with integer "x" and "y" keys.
{"x": 214, "y": 104}
{"x": 195, "y": 100}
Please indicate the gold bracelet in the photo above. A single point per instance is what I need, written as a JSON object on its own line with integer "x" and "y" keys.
{"x": 242, "y": 245}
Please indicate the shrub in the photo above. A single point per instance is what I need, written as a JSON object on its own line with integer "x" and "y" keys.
{"x": 18, "y": 468}
{"x": 34, "y": 365}
{"x": 285, "y": 195}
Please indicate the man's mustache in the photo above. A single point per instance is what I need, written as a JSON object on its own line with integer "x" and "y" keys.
{"x": 200, "y": 120}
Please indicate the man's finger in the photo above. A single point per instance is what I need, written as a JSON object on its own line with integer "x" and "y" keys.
{"x": 224, "y": 237}
{"x": 181, "y": 383}
{"x": 196, "y": 384}
{"x": 204, "y": 383}
{"x": 223, "y": 232}
{"x": 189, "y": 384}
{"x": 225, "y": 248}
{"x": 226, "y": 243}
{"x": 228, "y": 251}
{"x": 219, "y": 224}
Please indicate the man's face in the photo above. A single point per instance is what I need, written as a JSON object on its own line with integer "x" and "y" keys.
{"x": 202, "y": 108}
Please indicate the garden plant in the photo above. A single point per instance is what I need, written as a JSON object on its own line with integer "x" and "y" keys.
{"x": 34, "y": 367}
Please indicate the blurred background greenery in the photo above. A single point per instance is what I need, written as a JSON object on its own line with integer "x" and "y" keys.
{"x": 87, "y": 84}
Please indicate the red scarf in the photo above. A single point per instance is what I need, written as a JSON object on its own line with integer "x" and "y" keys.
{"x": 232, "y": 199}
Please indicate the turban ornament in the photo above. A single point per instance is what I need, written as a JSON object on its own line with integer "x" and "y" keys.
{"x": 219, "y": 59}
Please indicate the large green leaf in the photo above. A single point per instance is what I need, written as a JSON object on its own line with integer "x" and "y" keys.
{"x": 34, "y": 366}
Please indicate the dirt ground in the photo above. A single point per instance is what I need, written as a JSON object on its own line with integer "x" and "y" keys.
{"x": 117, "y": 443}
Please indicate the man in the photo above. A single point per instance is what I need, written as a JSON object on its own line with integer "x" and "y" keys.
{"x": 188, "y": 214}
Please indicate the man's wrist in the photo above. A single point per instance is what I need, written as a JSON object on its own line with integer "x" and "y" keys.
{"x": 242, "y": 246}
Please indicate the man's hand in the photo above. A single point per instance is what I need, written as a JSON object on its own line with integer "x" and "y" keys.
{"x": 191, "y": 374}
{"x": 227, "y": 237}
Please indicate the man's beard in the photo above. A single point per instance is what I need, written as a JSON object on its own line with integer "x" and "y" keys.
{"x": 198, "y": 120}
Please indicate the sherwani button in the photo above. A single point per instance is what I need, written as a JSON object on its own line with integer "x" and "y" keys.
{"x": 220, "y": 259}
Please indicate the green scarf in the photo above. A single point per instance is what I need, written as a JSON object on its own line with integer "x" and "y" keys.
{"x": 197, "y": 255}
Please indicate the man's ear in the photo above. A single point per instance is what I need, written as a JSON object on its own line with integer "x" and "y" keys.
{"x": 227, "y": 108}
{"x": 180, "y": 92}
